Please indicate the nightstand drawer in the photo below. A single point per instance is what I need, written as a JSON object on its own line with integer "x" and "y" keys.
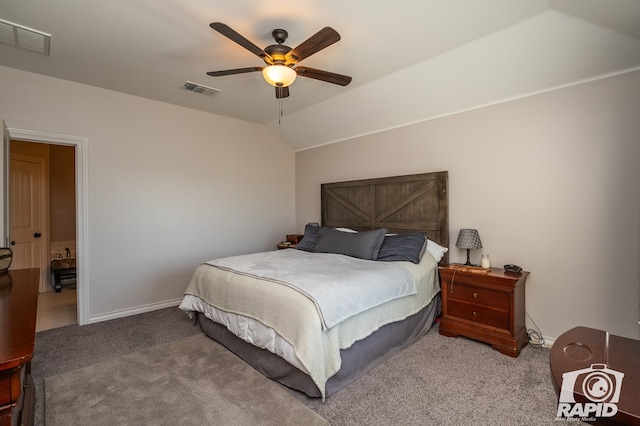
{"x": 479, "y": 314}
{"x": 479, "y": 296}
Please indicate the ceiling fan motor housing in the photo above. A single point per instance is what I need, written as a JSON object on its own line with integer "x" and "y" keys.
{"x": 278, "y": 52}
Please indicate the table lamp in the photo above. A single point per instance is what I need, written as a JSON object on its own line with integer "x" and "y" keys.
{"x": 469, "y": 239}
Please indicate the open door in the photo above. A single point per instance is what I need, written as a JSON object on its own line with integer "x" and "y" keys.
{"x": 4, "y": 177}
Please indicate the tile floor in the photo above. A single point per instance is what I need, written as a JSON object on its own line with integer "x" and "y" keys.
{"x": 56, "y": 309}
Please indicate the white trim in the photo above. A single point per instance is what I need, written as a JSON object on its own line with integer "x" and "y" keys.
{"x": 5, "y": 184}
{"x": 135, "y": 311}
{"x": 82, "y": 208}
{"x": 548, "y": 342}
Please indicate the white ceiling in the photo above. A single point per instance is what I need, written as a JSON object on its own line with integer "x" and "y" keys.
{"x": 409, "y": 59}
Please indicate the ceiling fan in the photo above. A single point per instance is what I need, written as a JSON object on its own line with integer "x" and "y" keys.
{"x": 281, "y": 61}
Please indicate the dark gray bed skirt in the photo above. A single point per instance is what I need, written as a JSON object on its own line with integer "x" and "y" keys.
{"x": 361, "y": 357}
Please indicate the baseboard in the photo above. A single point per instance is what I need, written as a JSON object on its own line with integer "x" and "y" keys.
{"x": 548, "y": 342}
{"x": 134, "y": 311}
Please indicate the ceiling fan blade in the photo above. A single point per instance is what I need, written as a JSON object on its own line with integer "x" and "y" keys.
{"x": 234, "y": 36}
{"x": 233, "y": 71}
{"x": 282, "y": 92}
{"x": 329, "y": 77}
{"x": 323, "y": 38}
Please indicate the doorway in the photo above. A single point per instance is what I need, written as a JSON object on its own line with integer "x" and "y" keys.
{"x": 79, "y": 143}
{"x": 42, "y": 217}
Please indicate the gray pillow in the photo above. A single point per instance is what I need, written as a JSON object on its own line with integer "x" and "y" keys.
{"x": 363, "y": 245}
{"x": 409, "y": 247}
{"x": 308, "y": 242}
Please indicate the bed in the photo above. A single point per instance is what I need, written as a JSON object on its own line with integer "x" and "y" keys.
{"x": 314, "y": 341}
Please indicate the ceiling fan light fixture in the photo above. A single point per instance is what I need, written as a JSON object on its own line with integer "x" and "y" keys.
{"x": 279, "y": 75}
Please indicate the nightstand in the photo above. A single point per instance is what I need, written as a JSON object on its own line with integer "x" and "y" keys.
{"x": 488, "y": 307}
{"x": 291, "y": 241}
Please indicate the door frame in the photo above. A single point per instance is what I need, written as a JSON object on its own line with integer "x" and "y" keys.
{"x": 82, "y": 247}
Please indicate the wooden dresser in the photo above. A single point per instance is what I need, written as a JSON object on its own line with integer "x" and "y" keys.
{"x": 18, "y": 307}
{"x": 489, "y": 307}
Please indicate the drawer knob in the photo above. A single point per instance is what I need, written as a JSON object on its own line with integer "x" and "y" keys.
{"x": 475, "y": 294}
{"x": 475, "y": 314}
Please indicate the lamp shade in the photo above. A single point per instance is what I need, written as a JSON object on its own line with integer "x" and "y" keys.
{"x": 279, "y": 75}
{"x": 469, "y": 239}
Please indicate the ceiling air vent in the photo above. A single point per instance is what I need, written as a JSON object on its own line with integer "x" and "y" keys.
{"x": 24, "y": 37}
{"x": 199, "y": 88}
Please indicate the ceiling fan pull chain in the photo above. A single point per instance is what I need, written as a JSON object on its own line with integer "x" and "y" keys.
{"x": 280, "y": 114}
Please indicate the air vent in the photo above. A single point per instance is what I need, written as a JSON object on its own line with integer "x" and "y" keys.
{"x": 199, "y": 88}
{"x": 24, "y": 37}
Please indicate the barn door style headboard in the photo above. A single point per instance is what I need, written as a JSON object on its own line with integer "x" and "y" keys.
{"x": 411, "y": 203}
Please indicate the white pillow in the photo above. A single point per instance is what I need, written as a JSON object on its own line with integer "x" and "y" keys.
{"x": 346, "y": 230}
{"x": 436, "y": 250}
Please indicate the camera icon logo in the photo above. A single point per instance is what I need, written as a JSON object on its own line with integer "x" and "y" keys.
{"x": 598, "y": 383}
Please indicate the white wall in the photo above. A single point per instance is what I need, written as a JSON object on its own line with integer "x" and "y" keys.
{"x": 168, "y": 187}
{"x": 520, "y": 59}
{"x": 550, "y": 181}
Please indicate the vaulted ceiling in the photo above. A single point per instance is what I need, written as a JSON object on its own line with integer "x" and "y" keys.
{"x": 410, "y": 60}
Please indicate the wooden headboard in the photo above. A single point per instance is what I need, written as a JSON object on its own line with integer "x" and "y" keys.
{"x": 411, "y": 203}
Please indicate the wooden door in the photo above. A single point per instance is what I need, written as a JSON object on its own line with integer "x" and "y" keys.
{"x": 26, "y": 214}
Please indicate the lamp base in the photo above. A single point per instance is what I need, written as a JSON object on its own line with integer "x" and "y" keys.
{"x": 468, "y": 261}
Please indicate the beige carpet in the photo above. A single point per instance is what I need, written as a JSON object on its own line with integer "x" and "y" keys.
{"x": 193, "y": 381}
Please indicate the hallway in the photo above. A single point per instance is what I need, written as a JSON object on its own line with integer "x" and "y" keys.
{"x": 56, "y": 309}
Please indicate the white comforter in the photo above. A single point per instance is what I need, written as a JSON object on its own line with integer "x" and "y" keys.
{"x": 252, "y": 308}
{"x": 353, "y": 286}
